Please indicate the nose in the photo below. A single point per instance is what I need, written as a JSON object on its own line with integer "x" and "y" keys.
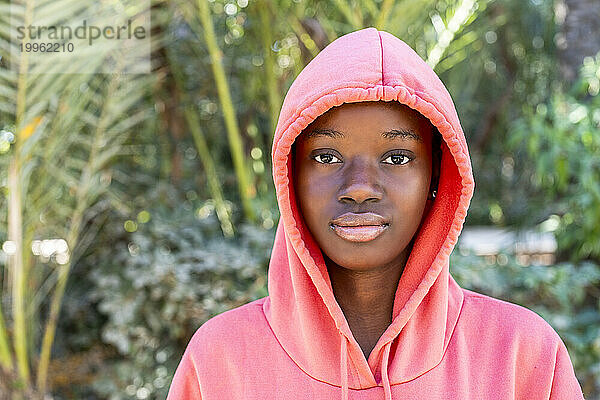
{"x": 360, "y": 184}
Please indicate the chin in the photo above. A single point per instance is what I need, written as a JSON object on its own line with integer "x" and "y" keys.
{"x": 366, "y": 256}
{"x": 358, "y": 261}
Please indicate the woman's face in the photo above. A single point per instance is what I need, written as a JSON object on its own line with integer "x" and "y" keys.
{"x": 362, "y": 179}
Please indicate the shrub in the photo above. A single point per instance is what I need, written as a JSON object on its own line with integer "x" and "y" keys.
{"x": 157, "y": 285}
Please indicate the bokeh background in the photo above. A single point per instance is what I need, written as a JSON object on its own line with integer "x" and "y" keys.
{"x": 135, "y": 207}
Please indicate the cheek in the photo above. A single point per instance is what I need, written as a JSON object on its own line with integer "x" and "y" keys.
{"x": 312, "y": 192}
{"x": 408, "y": 193}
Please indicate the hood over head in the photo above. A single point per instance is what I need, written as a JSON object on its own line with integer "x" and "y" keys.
{"x": 367, "y": 65}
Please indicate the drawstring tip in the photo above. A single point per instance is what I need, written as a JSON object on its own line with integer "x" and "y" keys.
{"x": 344, "y": 365}
{"x": 387, "y": 389}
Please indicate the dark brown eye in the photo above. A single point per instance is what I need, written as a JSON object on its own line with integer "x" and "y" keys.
{"x": 326, "y": 158}
{"x": 397, "y": 159}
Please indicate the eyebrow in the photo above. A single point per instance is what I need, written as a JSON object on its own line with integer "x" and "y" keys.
{"x": 392, "y": 134}
{"x": 402, "y": 133}
{"x": 332, "y": 133}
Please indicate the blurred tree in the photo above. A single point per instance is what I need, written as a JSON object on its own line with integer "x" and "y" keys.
{"x": 64, "y": 130}
{"x": 561, "y": 138}
{"x": 580, "y": 36}
{"x": 167, "y": 95}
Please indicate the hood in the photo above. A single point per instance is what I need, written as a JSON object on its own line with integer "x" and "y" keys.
{"x": 367, "y": 65}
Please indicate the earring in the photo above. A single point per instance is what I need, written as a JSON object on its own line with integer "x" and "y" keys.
{"x": 433, "y": 194}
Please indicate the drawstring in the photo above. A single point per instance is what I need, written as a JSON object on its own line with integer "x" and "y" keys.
{"x": 344, "y": 366}
{"x": 387, "y": 390}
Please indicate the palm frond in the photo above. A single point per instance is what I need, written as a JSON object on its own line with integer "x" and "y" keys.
{"x": 70, "y": 128}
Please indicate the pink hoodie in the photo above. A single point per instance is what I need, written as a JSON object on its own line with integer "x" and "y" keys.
{"x": 444, "y": 342}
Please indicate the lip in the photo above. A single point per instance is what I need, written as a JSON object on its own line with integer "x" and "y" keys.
{"x": 359, "y": 227}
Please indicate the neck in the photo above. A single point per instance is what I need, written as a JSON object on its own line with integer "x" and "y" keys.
{"x": 366, "y": 298}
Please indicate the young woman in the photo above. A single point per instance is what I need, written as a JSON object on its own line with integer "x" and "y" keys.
{"x": 373, "y": 180}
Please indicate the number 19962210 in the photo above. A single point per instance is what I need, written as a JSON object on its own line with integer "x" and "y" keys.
{"x": 47, "y": 47}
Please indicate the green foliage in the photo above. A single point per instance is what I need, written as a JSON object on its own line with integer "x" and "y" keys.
{"x": 566, "y": 295}
{"x": 562, "y": 141}
{"x": 507, "y": 60}
{"x": 140, "y": 292}
{"x": 157, "y": 285}
{"x": 59, "y": 136}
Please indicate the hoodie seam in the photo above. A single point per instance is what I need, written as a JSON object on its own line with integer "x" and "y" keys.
{"x": 298, "y": 364}
{"x": 196, "y": 373}
{"x": 553, "y": 372}
{"x": 462, "y": 303}
{"x": 308, "y": 101}
{"x": 350, "y": 388}
{"x": 421, "y": 95}
{"x": 381, "y": 45}
{"x": 424, "y": 97}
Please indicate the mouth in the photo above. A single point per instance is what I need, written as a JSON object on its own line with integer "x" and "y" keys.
{"x": 359, "y": 227}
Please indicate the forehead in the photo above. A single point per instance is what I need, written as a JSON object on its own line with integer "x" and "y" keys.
{"x": 390, "y": 119}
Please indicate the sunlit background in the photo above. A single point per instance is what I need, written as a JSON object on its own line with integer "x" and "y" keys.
{"x": 133, "y": 207}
